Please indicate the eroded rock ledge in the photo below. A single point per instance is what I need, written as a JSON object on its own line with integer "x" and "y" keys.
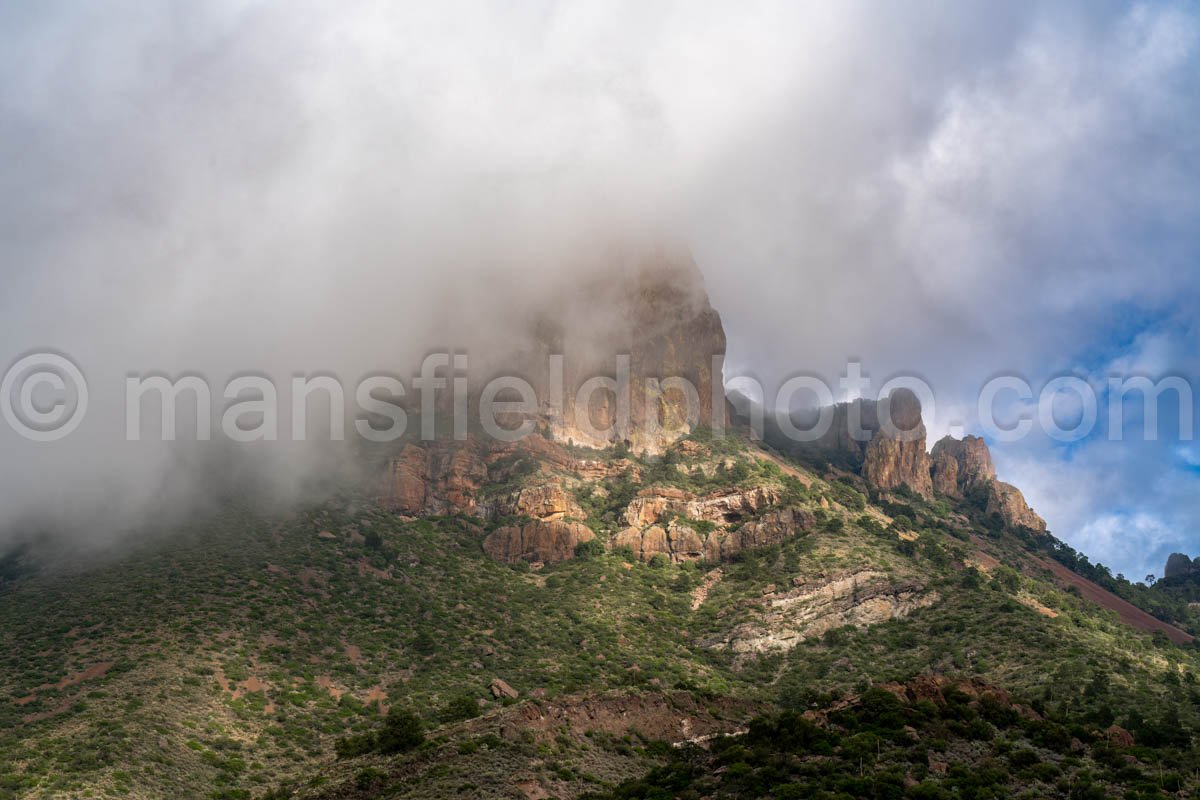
{"x": 815, "y": 605}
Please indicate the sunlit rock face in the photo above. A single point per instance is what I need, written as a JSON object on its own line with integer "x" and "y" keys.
{"x": 896, "y": 455}
{"x": 1007, "y": 501}
{"x": 959, "y": 464}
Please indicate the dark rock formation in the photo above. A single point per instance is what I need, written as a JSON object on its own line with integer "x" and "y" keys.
{"x": 1178, "y": 564}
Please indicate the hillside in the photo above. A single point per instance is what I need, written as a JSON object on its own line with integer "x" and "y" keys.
{"x": 229, "y": 658}
{"x": 669, "y": 612}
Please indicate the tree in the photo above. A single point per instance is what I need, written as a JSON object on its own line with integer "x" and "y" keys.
{"x": 402, "y": 731}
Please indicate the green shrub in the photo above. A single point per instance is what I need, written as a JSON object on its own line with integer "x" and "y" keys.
{"x": 592, "y": 548}
{"x": 402, "y": 731}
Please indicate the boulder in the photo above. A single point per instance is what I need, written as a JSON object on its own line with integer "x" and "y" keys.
{"x": 1118, "y": 737}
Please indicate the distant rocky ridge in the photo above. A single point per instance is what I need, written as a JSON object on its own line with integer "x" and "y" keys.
{"x": 891, "y": 457}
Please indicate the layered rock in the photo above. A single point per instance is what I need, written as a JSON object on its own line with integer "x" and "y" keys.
{"x": 1007, "y": 501}
{"x": 720, "y": 508}
{"x": 812, "y": 607}
{"x": 959, "y": 464}
{"x": 680, "y": 542}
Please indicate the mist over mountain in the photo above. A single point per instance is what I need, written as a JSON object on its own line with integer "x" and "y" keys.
{"x": 599, "y": 400}
{"x": 947, "y": 192}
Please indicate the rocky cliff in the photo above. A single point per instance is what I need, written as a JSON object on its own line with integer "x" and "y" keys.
{"x": 653, "y": 313}
{"x": 958, "y": 464}
{"x": 1178, "y": 564}
{"x": 890, "y": 456}
{"x": 883, "y": 441}
{"x": 896, "y": 455}
{"x": 1007, "y": 501}
{"x": 652, "y": 310}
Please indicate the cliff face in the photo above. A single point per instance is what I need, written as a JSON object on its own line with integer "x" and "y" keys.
{"x": 1007, "y": 501}
{"x": 889, "y": 457}
{"x": 896, "y": 457}
{"x": 958, "y": 464}
{"x": 858, "y": 438}
{"x": 655, "y": 311}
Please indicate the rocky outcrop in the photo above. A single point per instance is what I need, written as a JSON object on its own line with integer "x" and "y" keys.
{"x": 958, "y": 464}
{"x": 548, "y": 501}
{"x": 772, "y": 528}
{"x": 883, "y": 441}
{"x": 653, "y": 309}
{"x": 436, "y": 479}
{"x": 651, "y": 504}
{"x": 720, "y": 508}
{"x": 680, "y": 542}
{"x": 896, "y": 455}
{"x": 1178, "y": 564}
{"x": 596, "y": 470}
{"x": 444, "y": 477}
{"x": 1007, "y": 501}
{"x": 812, "y": 607}
{"x": 537, "y": 541}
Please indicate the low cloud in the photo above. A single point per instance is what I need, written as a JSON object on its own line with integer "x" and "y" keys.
{"x": 953, "y": 191}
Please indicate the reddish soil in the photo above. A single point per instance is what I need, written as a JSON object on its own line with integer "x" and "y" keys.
{"x": 92, "y": 672}
{"x": 1129, "y": 613}
{"x": 379, "y": 696}
{"x": 241, "y": 688}
{"x": 326, "y": 683}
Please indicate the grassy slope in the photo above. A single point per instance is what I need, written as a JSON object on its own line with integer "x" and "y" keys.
{"x": 275, "y": 606}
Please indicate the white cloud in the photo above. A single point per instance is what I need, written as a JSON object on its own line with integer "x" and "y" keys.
{"x": 951, "y": 190}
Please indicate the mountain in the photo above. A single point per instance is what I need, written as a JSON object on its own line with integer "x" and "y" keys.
{"x": 670, "y": 613}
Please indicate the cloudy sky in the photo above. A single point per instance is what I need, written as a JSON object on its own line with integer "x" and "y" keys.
{"x": 950, "y": 190}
